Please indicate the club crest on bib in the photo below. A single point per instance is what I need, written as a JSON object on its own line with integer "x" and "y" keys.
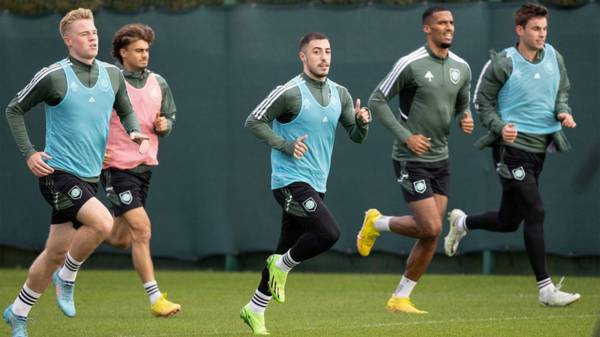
{"x": 420, "y": 186}
{"x": 548, "y": 67}
{"x": 454, "y": 75}
{"x": 126, "y": 197}
{"x": 518, "y": 173}
{"x": 104, "y": 84}
{"x": 75, "y": 192}
{"x": 155, "y": 94}
{"x": 309, "y": 205}
{"x": 334, "y": 102}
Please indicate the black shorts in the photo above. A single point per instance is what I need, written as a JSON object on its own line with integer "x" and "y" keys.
{"x": 517, "y": 167}
{"x": 125, "y": 190}
{"x": 301, "y": 200}
{"x": 66, "y": 194}
{"x": 421, "y": 180}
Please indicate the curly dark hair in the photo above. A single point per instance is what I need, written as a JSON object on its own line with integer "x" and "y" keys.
{"x": 528, "y": 12}
{"x": 129, "y": 34}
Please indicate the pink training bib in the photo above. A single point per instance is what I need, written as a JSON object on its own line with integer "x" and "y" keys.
{"x": 123, "y": 152}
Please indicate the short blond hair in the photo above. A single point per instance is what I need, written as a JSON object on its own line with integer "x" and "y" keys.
{"x": 72, "y": 16}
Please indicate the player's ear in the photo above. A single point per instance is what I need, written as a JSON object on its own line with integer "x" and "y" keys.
{"x": 302, "y": 56}
{"x": 519, "y": 29}
{"x": 426, "y": 29}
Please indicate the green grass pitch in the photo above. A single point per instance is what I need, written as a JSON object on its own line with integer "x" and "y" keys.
{"x": 113, "y": 304}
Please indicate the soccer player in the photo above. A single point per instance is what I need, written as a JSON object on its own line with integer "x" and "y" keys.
{"x": 304, "y": 114}
{"x": 433, "y": 87}
{"x": 126, "y": 172}
{"x": 79, "y": 93}
{"x": 522, "y": 99}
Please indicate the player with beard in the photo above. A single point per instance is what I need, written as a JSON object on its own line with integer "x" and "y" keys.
{"x": 433, "y": 87}
{"x": 304, "y": 114}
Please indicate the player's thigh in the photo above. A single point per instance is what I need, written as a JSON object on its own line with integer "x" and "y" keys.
{"x": 306, "y": 209}
{"x": 426, "y": 214}
{"x": 137, "y": 220}
{"x": 441, "y": 202}
{"x": 66, "y": 194}
{"x": 94, "y": 214}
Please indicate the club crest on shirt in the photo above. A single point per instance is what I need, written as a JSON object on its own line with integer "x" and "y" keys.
{"x": 75, "y": 192}
{"x": 454, "y": 75}
{"x": 126, "y": 197}
{"x": 306, "y": 103}
{"x": 155, "y": 94}
{"x": 104, "y": 85}
{"x": 74, "y": 86}
{"x": 420, "y": 186}
{"x": 548, "y": 67}
{"x": 334, "y": 101}
{"x": 519, "y": 173}
{"x": 309, "y": 205}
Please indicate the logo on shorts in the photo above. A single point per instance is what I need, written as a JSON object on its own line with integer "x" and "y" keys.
{"x": 420, "y": 186}
{"x": 454, "y": 75}
{"x": 518, "y": 173}
{"x": 310, "y": 205}
{"x": 126, "y": 197}
{"x": 75, "y": 192}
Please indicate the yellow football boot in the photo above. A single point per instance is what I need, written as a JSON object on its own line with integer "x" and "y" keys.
{"x": 164, "y": 308}
{"x": 368, "y": 234}
{"x": 402, "y": 304}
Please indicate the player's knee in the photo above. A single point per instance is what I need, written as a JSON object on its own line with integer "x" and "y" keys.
{"x": 141, "y": 234}
{"x": 102, "y": 226}
{"x": 122, "y": 243}
{"x": 331, "y": 235}
{"x": 431, "y": 230}
{"x": 55, "y": 258}
{"x": 537, "y": 213}
{"x": 511, "y": 226}
{"x": 509, "y": 222}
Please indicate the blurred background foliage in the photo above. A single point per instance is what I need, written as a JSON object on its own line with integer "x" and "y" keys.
{"x": 42, "y": 7}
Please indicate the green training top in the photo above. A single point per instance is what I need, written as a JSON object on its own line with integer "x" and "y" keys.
{"x": 49, "y": 85}
{"x": 285, "y": 102}
{"x": 432, "y": 91}
{"x": 493, "y": 76}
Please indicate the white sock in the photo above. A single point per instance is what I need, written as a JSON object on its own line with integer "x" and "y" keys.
{"x": 24, "y": 301}
{"x": 286, "y": 263}
{"x": 461, "y": 224}
{"x": 545, "y": 284}
{"x": 405, "y": 287}
{"x": 382, "y": 224}
{"x": 69, "y": 270}
{"x": 152, "y": 291}
{"x": 258, "y": 303}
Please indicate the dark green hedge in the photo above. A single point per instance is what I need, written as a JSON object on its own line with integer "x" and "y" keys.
{"x": 40, "y": 7}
